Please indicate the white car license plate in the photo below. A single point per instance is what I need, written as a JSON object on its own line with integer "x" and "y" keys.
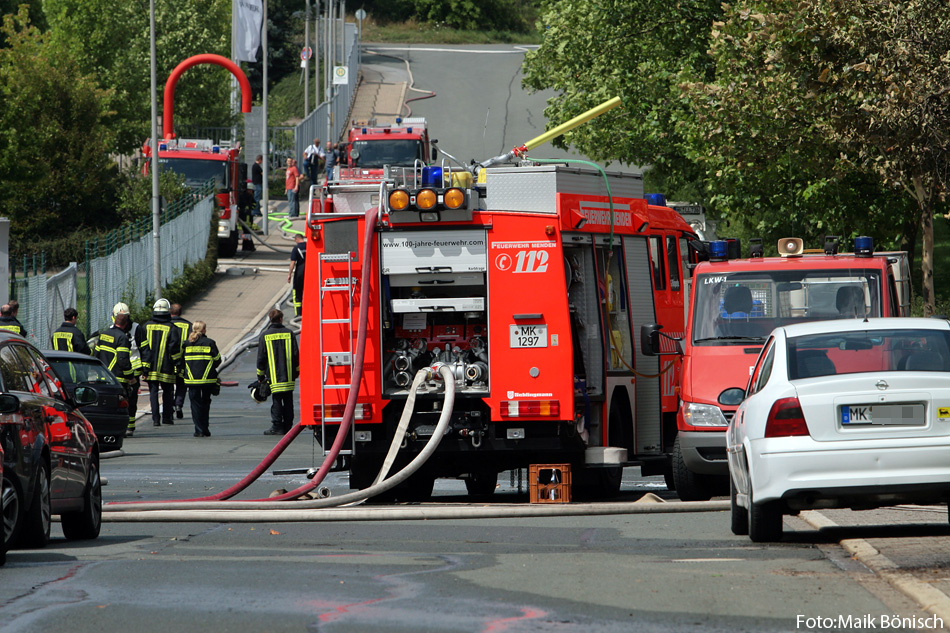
{"x": 883, "y": 414}
{"x": 529, "y": 336}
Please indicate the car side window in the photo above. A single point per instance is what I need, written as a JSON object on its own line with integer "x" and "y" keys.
{"x": 11, "y": 370}
{"x": 33, "y": 375}
{"x": 51, "y": 385}
{"x": 764, "y": 370}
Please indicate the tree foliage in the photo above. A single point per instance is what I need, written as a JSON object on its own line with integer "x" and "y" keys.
{"x": 55, "y": 172}
{"x": 594, "y": 50}
{"x": 835, "y": 87}
{"x": 112, "y": 40}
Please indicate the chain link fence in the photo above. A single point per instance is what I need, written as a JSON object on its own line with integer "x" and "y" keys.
{"x": 116, "y": 267}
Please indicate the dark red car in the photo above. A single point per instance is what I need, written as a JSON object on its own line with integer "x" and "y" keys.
{"x": 50, "y": 451}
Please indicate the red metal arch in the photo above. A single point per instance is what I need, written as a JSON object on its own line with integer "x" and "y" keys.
{"x": 168, "y": 125}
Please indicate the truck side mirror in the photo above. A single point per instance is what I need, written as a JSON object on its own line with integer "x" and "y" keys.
{"x": 650, "y": 339}
{"x": 435, "y": 152}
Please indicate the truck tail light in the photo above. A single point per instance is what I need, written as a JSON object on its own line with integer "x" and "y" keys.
{"x": 786, "y": 419}
{"x": 362, "y": 411}
{"x": 530, "y": 408}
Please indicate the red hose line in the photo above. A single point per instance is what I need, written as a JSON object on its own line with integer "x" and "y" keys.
{"x": 348, "y": 411}
{"x": 357, "y": 376}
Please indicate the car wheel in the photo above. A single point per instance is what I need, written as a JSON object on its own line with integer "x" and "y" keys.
{"x": 38, "y": 519}
{"x": 481, "y": 484}
{"x": 740, "y": 516}
{"x": 86, "y": 523}
{"x": 765, "y": 521}
{"x": 689, "y": 485}
{"x": 10, "y": 508}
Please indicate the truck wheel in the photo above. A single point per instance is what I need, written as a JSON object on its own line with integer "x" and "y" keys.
{"x": 481, "y": 484}
{"x": 689, "y": 485}
{"x": 228, "y": 247}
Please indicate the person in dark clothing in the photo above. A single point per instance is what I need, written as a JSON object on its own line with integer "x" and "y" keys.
{"x": 138, "y": 348}
{"x": 201, "y": 375}
{"x": 161, "y": 363}
{"x": 68, "y": 337}
{"x": 184, "y": 326}
{"x": 8, "y": 320}
{"x": 113, "y": 349}
{"x": 257, "y": 179}
{"x": 295, "y": 275}
{"x": 278, "y": 363}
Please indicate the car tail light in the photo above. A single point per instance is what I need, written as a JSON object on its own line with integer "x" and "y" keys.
{"x": 786, "y": 419}
{"x": 123, "y": 403}
{"x": 361, "y": 412}
{"x": 530, "y": 408}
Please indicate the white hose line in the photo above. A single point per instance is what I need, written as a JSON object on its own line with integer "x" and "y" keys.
{"x": 276, "y": 506}
{"x": 402, "y": 426}
{"x": 415, "y": 512}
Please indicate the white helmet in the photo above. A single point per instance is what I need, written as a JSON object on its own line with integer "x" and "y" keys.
{"x": 162, "y": 306}
{"x": 120, "y": 308}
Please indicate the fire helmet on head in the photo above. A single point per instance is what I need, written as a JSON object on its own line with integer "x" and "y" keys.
{"x": 162, "y": 306}
{"x": 120, "y": 308}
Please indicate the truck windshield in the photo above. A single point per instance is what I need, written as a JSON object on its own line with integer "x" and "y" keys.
{"x": 197, "y": 171}
{"x": 387, "y": 152}
{"x": 738, "y": 308}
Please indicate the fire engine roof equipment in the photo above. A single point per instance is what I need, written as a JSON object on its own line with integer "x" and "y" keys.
{"x": 610, "y": 104}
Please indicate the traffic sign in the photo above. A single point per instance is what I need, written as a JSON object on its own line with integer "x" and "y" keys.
{"x": 360, "y": 15}
{"x": 306, "y": 53}
{"x": 340, "y": 75}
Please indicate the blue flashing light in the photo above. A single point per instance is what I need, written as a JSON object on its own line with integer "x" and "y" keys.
{"x": 719, "y": 250}
{"x": 163, "y": 147}
{"x": 215, "y": 149}
{"x": 863, "y": 246}
{"x": 398, "y": 120}
{"x": 432, "y": 177}
{"x": 364, "y": 130}
{"x": 656, "y": 199}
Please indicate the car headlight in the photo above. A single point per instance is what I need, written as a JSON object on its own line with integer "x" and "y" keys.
{"x": 696, "y": 414}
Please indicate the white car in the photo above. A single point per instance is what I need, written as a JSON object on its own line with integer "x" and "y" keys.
{"x": 848, "y": 413}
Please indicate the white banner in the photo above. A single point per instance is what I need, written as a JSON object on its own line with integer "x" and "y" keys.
{"x": 247, "y": 29}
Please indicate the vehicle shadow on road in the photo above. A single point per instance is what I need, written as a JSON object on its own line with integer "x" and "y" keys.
{"x": 840, "y": 533}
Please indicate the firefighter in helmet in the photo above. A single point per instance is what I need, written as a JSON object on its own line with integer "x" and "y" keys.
{"x": 113, "y": 349}
{"x": 163, "y": 360}
{"x": 278, "y": 362}
{"x": 137, "y": 349}
{"x": 184, "y": 327}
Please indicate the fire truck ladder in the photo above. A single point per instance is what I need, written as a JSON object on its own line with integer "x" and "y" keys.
{"x": 329, "y": 287}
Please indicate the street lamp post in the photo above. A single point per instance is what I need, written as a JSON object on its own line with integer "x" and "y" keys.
{"x": 156, "y": 212}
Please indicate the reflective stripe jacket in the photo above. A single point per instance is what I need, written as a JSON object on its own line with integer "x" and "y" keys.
{"x": 278, "y": 359}
{"x": 184, "y": 329}
{"x": 201, "y": 362}
{"x": 11, "y": 323}
{"x": 163, "y": 356}
{"x": 113, "y": 350}
{"x": 69, "y": 338}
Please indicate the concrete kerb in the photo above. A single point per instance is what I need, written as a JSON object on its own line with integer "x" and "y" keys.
{"x": 928, "y": 597}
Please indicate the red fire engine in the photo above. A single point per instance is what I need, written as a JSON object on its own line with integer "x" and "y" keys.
{"x": 199, "y": 160}
{"x": 370, "y": 147}
{"x": 528, "y": 286}
{"x": 734, "y": 305}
